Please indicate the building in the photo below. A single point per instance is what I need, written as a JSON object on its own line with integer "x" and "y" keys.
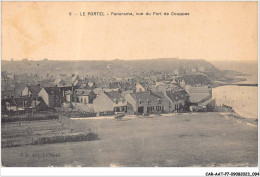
{"x": 108, "y": 103}
{"x": 8, "y": 105}
{"x": 145, "y": 102}
{"x": 200, "y": 98}
{"x": 64, "y": 90}
{"x": 31, "y": 91}
{"x": 23, "y": 103}
{"x": 51, "y": 96}
{"x": 178, "y": 100}
{"x": 201, "y": 102}
{"x": 165, "y": 100}
{"x": 142, "y": 87}
{"x": 85, "y": 96}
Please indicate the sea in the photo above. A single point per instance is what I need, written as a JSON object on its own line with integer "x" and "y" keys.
{"x": 243, "y": 99}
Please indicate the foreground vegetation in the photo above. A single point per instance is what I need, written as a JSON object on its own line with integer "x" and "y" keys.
{"x": 197, "y": 139}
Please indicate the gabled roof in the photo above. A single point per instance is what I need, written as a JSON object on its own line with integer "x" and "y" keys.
{"x": 144, "y": 96}
{"x": 114, "y": 85}
{"x": 161, "y": 95}
{"x": 73, "y": 78}
{"x": 52, "y": 90}
{"x": 34, "y": 89}
{"x": 177, "y": 95}
{"x": 114, "y": 95}
{"x": 124, "y": 93}
{"x": 198, "y": 97}
{"x": 65, "y": 88}
{"x": 144, "y": 85}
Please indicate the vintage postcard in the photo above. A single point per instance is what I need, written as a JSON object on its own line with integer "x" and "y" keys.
{"x": 129, "y": 84}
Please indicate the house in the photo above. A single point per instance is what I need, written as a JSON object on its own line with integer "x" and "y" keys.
{"x": 142, "y": 87}
{"x": 85, "y": 96}
{"x": 16, "y": 105}
{"x": 8, "y": 105}
{"x": 201, "y": 102}
{"x": 201, "y": 98}
{"x": 166, "y": 101}
{"x": 109, "y": 103}
{"x": 38, "y": 105}
{"x": 178, "y": 100}
{"x": 31, "y": 91}
{"x": 22, "y": 103}
{"x": 69, "y": 96}
{"x": 51, "y": 96}
{"x": 145, "y": 102}
{"x": 64, "y": 90}
{"x": 88, "y": 85}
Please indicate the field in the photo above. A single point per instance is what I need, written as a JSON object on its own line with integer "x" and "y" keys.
{"x": 197, "y": 139}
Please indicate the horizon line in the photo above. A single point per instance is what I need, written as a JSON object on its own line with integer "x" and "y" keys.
{"x": 64, "y": 60}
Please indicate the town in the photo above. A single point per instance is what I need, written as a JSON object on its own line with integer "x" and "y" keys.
{"x": 90, "y": 96}
{"x": 124, "y": 113}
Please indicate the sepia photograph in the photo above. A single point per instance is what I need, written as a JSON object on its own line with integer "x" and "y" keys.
{"x": 129, "y": 84}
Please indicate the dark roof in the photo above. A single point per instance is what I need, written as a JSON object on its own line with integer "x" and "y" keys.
{"x": 144, "y": 85}
{"x": 114, "y": 95}
{"x": 161, "y": 95}
{"x": 144, "y": 96}
{"x": 34, "y": 89}
{"x": 8, "y": 93}
{"x": 65, "y": 88}
{"x": 177, "y": 95}
{"x": 52, "y": 90}
{"x": 114, "y": 85}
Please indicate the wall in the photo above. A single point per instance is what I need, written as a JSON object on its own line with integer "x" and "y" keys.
{"x": 44, "y": 96}
{"x": 103, "y": 103}
{"x": 25, "y": 91}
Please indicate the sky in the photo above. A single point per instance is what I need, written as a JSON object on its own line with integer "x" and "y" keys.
{"x": 211, "y": 31}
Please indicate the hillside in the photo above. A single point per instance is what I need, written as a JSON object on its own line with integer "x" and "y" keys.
{"x": 194, "y": 71}
{"x": 117, "y": 67}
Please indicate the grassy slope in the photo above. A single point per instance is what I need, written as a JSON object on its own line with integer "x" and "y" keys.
{"x": 204, "y": 139}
